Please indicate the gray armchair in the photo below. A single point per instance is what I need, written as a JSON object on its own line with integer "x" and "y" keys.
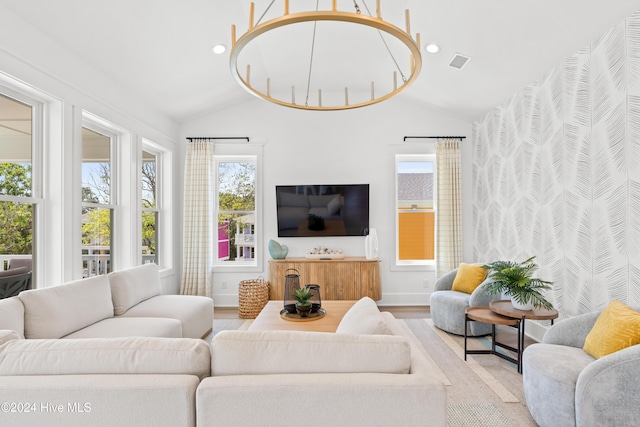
{"x": 447, "y": 306}
{"x": 565, "y": 386}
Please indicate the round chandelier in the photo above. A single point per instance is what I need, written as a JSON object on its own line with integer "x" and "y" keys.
{"x": 397, "y": 57}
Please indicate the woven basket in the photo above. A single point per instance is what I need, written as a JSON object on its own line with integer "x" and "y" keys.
{"x": 253, "y": 295}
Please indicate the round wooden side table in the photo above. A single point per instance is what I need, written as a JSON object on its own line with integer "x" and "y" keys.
{"x": 486, "y": 315}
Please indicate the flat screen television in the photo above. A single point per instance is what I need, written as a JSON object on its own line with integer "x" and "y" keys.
{"x": 322, "y": 210}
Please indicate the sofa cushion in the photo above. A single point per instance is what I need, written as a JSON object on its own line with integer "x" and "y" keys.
{"x": 131, "y": 327}
{"x": 7, "y": 335}
{"x": 57, "y": 311}
{"x": 617, "y": 327}
{"x": 294, "y": 200}
{"x": 194, "y": 312}
{"x": 363, "y": 318}
{"x": 12, "y": 315}
{"x": 468, "y": 278}
{"x": 134, "y": 285}
{"x": 132, "y": 355}
{"x": 297, "y": 352}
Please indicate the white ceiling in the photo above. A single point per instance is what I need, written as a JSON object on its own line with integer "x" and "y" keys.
{"x": 160, "y": 49}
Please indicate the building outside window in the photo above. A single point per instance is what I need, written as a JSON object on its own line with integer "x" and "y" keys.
{"x": 415, "y": 209}
{"x": 236, "y": 214}
{"x": 20, "y": 193}
{"x": 98, "y": 200}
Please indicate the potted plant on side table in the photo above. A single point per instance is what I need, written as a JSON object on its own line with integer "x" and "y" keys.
{"x": 515, "y": 279}
{"x": 302, "y": 296}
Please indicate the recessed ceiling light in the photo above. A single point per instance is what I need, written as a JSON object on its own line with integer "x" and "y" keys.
{"x": 432, "y": 48}
{"x": 219, "y": 49}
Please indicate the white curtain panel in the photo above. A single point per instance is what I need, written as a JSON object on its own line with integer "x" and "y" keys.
{"x": 199, "y": 225}
{"x": 448, "y": 206}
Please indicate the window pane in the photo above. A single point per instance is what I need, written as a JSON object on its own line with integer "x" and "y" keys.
{"x": 15, "y": 147}
{"x": 149, "y": 237}
{"x": 148, "y": 180}
{"x": 236, "y": 211}
{"x": 16, "y": 223}
{"x": 96, "y": 167}
{"x": 416, "y": 217}
{"x": 96, "y": 241}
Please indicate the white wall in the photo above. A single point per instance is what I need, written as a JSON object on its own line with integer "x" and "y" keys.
{"x": 355, "y": 146}
{"x": 70, "y": 85}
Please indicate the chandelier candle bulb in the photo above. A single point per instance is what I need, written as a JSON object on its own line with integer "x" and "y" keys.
{"x": 319, "y": 97}
{"x": 293, "y": 95}
{"x": 372, "y": 92}
{"x": 251, "y": 9}
{"x": 395, "y": 80}
{"x": 286, "y": 7}
{"x": 378, "y": 11}
{"x": 418, "y": 39}
{"x": 346, "y": 96}
{"x": 334, "y": 5}
{"x": 268, "y": 86}
{"x": 248, "y": 78}
{"x": 233, "y": 36}
{"x": 407, "y": 18}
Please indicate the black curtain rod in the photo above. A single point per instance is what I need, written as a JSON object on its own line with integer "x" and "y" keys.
{"x": 433, "y": 137}
{"x": 209, "y": 138}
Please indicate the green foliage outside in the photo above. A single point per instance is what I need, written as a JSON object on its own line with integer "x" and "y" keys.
{"x": 236, "y": 196}
{"x": 16, "y": 219}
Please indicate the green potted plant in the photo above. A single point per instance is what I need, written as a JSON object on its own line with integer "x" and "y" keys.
{"x": 515, "y": 279}
{"x": 302, "y": 296}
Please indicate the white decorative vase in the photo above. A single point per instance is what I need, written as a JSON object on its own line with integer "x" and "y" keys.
{"x": 524, "y": 307}
{"x": 371, "y": 244}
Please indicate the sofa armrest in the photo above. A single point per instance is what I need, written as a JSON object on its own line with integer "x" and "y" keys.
{"x": 445, "y": 282}
{"x": 480, "y": 297}
{"x": 572, "y": 331}
{"x": 607, "y": 390}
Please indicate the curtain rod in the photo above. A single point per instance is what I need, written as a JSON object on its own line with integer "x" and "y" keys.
{"x": 434, "y": 137}
{"x": 209, "y": 138}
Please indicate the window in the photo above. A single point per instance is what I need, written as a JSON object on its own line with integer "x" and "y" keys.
{"x": 98, "y": 200}
{"x": 150, "y": 208}
{"x": 415, "y": 208}
{"x": 236, "y": 213}
{"x": 19, "y": 170}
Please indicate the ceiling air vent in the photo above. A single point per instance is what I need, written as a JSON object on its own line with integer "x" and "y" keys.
{"x": 459, "y": 61}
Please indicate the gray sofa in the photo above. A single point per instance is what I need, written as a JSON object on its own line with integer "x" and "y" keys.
{"x": 447, "y": 307}
{"x": 565, "y": 386}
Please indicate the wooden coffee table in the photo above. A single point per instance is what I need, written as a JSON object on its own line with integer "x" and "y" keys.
{"x": 269, "y": 318}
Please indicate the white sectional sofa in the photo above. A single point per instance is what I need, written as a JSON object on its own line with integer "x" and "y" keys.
{"x": 121, "y": 304}
{"x": 368, "y": 373}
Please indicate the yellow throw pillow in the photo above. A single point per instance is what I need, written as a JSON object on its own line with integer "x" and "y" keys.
{"x": 468, "y": 278}
{"x": 617, "y": 327}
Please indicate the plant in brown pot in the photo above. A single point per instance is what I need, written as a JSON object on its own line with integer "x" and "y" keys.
{"x": 302, "y": 296}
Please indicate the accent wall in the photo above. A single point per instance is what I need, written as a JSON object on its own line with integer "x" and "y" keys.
{"x": 556, "y": 175}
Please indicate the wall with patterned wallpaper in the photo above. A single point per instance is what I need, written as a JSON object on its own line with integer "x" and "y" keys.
{"x": 556, "y": 173}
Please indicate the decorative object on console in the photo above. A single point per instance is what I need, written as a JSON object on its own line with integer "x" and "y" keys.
{"x": 276, "y": 250}
{"x": 371, "y": 244}
{"x": 514, "y": 279}
{"x": 316, "y": 303}
{"x": 322, "y": 252}
{"x": 291, "y": 284}
{"x": 303, "y": 301}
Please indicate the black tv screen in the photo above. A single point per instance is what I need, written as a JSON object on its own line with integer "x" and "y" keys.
{"x": 322, "y": 210}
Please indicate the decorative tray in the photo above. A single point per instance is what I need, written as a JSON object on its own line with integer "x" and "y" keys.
{"x": 295, "y": 317}
{"x": 324, "y": 256}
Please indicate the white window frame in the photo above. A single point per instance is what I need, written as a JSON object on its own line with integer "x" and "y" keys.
{"x": 411, "y": 265}
{"x": 36, "y": 200}
{"x": 164, "y": 252}
{"x": 229, "y": 152}
{"x": 96, "y": 125}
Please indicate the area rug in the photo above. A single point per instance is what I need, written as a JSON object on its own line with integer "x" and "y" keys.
{"x": 483, "y": 391}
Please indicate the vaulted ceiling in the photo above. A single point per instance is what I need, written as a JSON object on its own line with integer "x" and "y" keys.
{"x": 161, "y": 49}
